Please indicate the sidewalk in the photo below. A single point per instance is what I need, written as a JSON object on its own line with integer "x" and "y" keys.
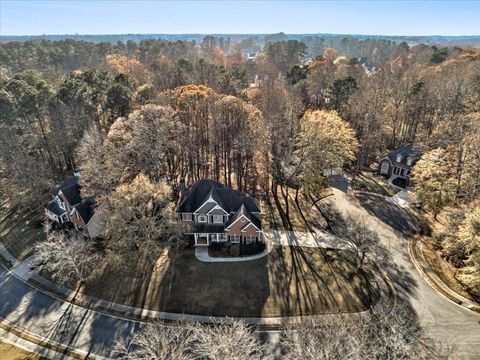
{"x": 317, "y": 238}
{"x": 201, "y": 253}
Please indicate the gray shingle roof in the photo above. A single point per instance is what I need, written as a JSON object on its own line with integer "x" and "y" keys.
{"x": 208, "y": 228}
{"x": 86, "y": 209}
{"x": 244, "y": 211}
{"x": 407, "y": 151}
{"x": 70, "y": 189}
{"x": 53, "y": 207}
{"x": 230, "y": 200}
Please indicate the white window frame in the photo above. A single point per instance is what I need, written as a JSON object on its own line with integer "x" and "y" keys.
{"x": 186, "y": 216}
{"x": 250, "y": 239}
{"x": 235, "y": 239}
{"x": 384, "y": 168}
{"x": 201, "y": 218}
{"x": 217, "y": 219}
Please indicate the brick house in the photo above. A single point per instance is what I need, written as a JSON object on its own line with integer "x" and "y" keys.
{"x": 68, "y": 207}
{"x": 215, "y": 213}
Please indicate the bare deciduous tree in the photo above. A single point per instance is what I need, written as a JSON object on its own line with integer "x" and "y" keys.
{"x": 224, "y": 340}
{"x": 66, "y": 256}
{"x": 361, "y": 240}
{"x": 157, "y": 342}
{"x": 387, "y": 334}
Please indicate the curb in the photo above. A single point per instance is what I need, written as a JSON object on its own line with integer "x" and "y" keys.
{"x": 436, "y": 284}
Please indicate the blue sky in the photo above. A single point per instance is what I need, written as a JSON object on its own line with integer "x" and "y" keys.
{"x": 173, "y": 17}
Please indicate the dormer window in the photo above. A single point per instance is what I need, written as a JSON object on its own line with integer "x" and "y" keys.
{"x": 399, "y": 158}
{"x": 409, "y": 161}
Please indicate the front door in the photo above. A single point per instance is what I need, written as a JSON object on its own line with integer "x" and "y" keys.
{"x": 201, "y": 239}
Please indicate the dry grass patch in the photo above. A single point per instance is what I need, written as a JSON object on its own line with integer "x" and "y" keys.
{"x": 10, "y": 352}
{"x": 373, "y": 182}
{"x": 20, "y": 231}
{"x": 444, "y": 270}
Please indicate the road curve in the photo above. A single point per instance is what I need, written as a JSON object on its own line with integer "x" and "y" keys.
{"x": 87, "y": 331}
{"x": 442, "y": 319}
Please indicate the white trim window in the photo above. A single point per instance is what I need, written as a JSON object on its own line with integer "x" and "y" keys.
{"x": 201, "y": 218}
{"x": 235, "y": 239}
{"x": 251, "y": 239}
{"x": 186, "y": 216}
{"x": 384, "y": 169}
{"x": 217, "y": 219}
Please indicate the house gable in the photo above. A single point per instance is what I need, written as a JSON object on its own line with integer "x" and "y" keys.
{"x": 206, "y": 207}
{"x": 217, "y": 210}
{"x": 242, "y": 219}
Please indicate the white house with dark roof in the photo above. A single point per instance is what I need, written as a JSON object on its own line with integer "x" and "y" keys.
{"x": 215, "y": 213}
{"x": 397, "y": 164}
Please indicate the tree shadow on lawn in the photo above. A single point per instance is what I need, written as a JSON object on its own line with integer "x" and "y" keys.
{"x": 124, "y": 285}
{"x": 290, "y": 281}
{"x": 19, "y": 231}
{"x": 189, "y": 286}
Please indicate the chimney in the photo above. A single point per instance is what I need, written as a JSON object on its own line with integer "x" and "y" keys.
{"x": 181, "y": 185}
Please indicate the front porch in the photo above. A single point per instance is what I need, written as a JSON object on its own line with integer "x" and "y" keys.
{"x": 205, "y": 239}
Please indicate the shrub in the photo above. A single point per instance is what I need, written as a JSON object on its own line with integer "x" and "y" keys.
{"x": 251, "y": 249}
{"x": 235, "y": 250}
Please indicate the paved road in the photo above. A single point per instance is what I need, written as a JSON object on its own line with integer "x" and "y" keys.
{"x": 86, "y": 330}
{"x": 443, "y": 320}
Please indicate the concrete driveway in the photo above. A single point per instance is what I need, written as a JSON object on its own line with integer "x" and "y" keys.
{"x": 443, "y": 320}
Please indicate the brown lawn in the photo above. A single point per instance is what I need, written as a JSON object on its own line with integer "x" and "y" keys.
{"x": 10, "y": 352}
{"x": 444, "y": 270}
{"x": 19, "y": 231}
{"x": 289, "y": 281}
{"x": 372, "y": 182}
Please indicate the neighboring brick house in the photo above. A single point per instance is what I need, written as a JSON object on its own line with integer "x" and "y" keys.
{"x": 215, "y": 213}
{"x": 397, "y": 164}
{"x": 67, "y": 206}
